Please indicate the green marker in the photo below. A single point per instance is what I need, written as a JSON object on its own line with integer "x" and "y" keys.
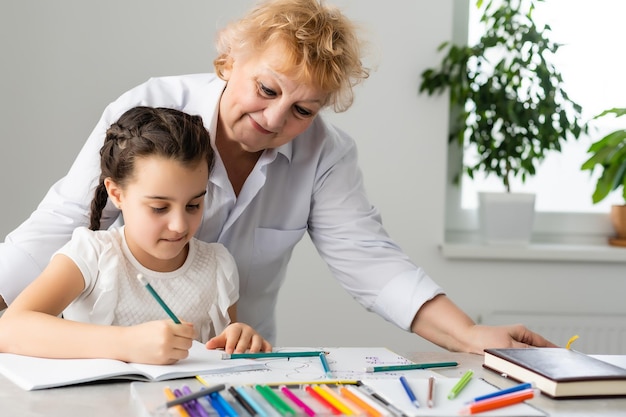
{"x": 275, "y": 401}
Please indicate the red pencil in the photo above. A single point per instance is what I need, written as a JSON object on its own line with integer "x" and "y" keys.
{"x": 322, "y": 400}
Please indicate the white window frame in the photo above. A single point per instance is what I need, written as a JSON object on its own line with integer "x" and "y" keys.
{"x": 556, "y": 236}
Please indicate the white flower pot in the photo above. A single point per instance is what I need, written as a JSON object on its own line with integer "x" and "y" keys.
{"x": 506, "y": 218}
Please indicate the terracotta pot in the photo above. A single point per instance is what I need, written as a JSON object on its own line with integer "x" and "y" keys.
{"x": 618, "y": 219}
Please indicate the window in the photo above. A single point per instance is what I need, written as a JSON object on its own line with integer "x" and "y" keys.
{"x": 591, "y": 62}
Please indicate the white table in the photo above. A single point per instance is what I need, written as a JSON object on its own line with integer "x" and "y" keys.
{"x": 113, "y": 398}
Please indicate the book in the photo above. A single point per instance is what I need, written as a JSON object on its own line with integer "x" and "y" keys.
{"x": 559, "y": 372}
{"x": 34, "y": 373}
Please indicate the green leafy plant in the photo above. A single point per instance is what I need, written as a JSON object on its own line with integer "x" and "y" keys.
{"x": 609, "y": 153}
{"x": 507, "y": 95}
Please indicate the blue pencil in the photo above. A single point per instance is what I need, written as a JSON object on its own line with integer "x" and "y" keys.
{"x": 409, "y": 391}
{"x": 514, "y": 388}
{"x": 217, "y": 405}
{"x": 227, "y": 407}
{"x": 325, "y": 365}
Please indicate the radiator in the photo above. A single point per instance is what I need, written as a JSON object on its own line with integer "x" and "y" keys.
{"x": 598, "y": 333}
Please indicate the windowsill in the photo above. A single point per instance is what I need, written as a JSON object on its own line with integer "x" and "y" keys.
{"x": 545, "y": 248}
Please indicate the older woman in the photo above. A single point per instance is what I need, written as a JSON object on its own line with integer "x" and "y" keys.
{"x": 281, "y": 170}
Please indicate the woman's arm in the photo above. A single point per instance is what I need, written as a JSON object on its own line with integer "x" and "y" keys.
{"x": 443, "y": 323}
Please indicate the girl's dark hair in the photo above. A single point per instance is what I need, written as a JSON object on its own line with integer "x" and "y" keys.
{"x": 146, "y": 131}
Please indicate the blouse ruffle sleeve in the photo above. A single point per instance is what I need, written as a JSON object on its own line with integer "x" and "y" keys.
{"x": 227, "y": 280}
{"x": 97, "y": 256}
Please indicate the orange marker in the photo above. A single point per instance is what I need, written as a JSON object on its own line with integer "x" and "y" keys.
{"x": 360, "y": 402}
{"x": 499, "y": 402}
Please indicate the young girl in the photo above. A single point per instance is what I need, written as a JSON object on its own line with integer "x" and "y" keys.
{"x": 154, "y": 167}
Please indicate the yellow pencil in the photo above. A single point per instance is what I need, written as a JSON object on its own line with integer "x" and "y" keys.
{"x": 324, "y": 391}
{"x": 202, "y": 381}
{"x": 320, "y": 382}
{"x": 170, "y": 396}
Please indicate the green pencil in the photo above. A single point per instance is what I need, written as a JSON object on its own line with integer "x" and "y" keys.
{"x": 259, "y": 355}
{"x": 460, "y": 385}
{"x": 156, "y": 296}
{"x": 410, "y": 366}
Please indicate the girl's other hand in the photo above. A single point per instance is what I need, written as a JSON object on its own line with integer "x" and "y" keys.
{"x": 239, "y": 338}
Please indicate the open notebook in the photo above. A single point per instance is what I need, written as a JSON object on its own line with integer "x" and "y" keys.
{"x": 31, "y": 373}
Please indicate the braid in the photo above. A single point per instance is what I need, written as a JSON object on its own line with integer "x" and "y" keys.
{"x": 115, "y": 140}
{"x": 97, "y": 205}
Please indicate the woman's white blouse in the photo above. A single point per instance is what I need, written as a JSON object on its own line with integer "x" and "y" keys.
{"x": 312, "y": 184}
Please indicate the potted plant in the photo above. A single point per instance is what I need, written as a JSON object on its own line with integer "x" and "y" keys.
{"x": 609, "y": 153}
{"x": 509, "y": 104}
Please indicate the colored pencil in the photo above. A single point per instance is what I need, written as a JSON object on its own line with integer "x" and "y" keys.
{"x": 499, "y": 402}
{"x": 458, "y": 387}
{"x": 431, "y": 392}
{"x": 409, "y": 391}
{"x": 514, "y": 388}
{"x": 157, "y": 297}
{"x": 260, "y": 355}
{"x": 410, "y": 366}
{"x": 301, "y": 384}
{"x": 325, "y": 365}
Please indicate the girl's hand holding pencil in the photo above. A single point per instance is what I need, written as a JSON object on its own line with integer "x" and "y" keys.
{"x": 160, "y": 342}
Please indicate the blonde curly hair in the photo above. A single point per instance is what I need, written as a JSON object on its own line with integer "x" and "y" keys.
{"x": 321, "y": 45}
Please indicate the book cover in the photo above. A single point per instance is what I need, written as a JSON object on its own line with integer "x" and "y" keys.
{"x": 33, "y": 373}
{"x": 559, "y": 372}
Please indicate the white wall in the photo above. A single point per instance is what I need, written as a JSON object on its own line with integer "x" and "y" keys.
{"x": 64, "y": 61}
